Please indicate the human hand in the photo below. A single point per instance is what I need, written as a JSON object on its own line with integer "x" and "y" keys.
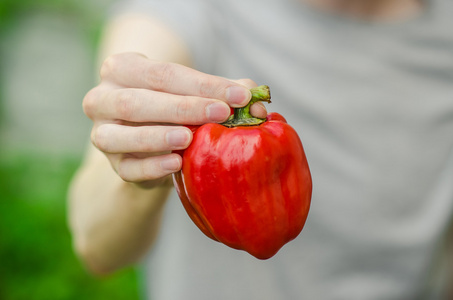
{"x": 140, "y": 105}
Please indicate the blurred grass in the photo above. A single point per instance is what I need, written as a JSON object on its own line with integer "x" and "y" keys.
{"x": 37, "y": 261}
{"x": 36, "y": 257}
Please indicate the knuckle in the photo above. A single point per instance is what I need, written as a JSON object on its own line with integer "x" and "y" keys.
{"x": 143, "y": 171}
{"x": 123, "y": 172}
{"x": 89, "y": 102}
{"x": 109, "y": 65}
{"x": 183, "y": 109}
{"x": 137, "y": 170}
{"x": 125, "y": 104}
{"x": 99, "y": 138}
{"x": 162, "y": 76}
{"x": 143, "y": 139}
{"x": 208, "y": 89}
{"x": 147, "y": 171}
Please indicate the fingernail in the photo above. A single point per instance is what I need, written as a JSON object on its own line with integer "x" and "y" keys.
{"x": 238, "y": 96}
{"x": 178, "y": 137}
{"x": 171, "y": 164}
{"x": 217, "y": 112}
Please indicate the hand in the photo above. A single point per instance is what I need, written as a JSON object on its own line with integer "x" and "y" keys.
{"x": 139, "y": 106}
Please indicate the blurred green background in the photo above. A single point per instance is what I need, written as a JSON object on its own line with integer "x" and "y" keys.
{"x": 47, "y": 54}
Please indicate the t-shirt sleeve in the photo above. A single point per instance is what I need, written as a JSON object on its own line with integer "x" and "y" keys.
{"x": 187, "y": 18}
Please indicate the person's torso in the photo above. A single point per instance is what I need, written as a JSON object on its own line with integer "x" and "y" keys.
{"x": 373, "y": 105}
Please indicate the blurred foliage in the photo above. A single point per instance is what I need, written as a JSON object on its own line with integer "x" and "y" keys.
{"x": 36, "y": 257}
{"x": 86, "y": 14}
{"x": 84, "y": 9}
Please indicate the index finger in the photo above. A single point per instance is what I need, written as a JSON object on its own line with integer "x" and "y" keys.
{"x": 136, "y": 71}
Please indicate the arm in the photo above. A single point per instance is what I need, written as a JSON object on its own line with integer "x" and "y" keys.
{"x": 113, "y": 221}
{"x": 117, "y": 196}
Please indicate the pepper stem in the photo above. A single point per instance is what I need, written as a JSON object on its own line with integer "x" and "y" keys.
{"x": 242, "y": 116}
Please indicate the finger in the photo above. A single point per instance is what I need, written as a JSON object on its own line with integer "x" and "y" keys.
{"x": 136, "y": 71}
{"x": 140, "y": 105}
{"x": 258, "y": 110}
{"x": 114, "y": 138}
{"x": 137, "y": 170}
{"x": 90, "y": 103}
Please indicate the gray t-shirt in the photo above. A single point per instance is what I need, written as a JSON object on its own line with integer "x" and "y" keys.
{"x": 373, "y": 105}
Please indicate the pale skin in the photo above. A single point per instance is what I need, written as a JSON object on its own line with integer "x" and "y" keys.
{"x": 147, "y": 90}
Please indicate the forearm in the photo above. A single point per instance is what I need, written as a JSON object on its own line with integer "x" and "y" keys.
{"x": 113, "y": 222}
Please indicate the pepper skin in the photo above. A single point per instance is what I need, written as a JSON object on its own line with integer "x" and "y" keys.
{"x": 248, "y": 187}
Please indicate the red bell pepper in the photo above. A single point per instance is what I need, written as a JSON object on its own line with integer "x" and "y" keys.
{"x": 246, "y": 183}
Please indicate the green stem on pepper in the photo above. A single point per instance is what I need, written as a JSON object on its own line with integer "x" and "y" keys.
{"x": 242, "y": 116}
